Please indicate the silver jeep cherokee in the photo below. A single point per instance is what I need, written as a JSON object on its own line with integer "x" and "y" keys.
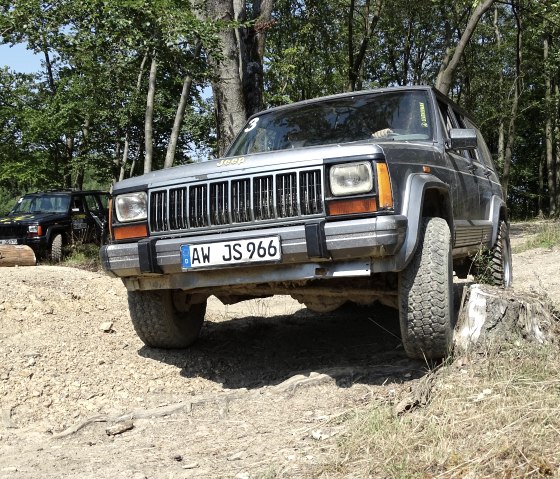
{"x": 370, "y": 196}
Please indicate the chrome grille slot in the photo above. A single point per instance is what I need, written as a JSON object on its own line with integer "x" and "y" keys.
{"x": 219, "y": 214}
{"x": 158, "y": 211}
{"x": 198, "y": 206}
{"x": 311, "y": 197}
{"x": 178, "y": 219}
{"x": 240, "y": 201}
{"x": 286, "y": 195}
{"x": 263, "y": 198}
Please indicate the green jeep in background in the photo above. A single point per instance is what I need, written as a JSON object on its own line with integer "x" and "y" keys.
{"x": 47, "y": 221}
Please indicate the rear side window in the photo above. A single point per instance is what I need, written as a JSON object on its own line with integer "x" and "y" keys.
{"x": 483, "y": 152}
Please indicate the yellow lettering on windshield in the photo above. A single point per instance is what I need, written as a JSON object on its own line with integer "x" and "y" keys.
{"x": 423, "y": 117}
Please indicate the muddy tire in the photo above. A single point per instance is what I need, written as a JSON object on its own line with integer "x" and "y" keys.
{"x": 55, "y": 250}
{"x": 426, "y": 294}
{"x": 164, "y": 319}
{"x": 499, "y": 260}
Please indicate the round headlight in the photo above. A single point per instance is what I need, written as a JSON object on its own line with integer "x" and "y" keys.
{"x": 131, "y": 206}
{"x": 351, "y": 178}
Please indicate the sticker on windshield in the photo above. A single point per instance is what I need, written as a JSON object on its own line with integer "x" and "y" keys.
{"x": 251, "y": 125}
{"x": 423, "y": 118}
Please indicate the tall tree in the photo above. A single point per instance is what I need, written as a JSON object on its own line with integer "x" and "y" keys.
{"x": 238, "y": 66}
{"x": 454, "y": 53}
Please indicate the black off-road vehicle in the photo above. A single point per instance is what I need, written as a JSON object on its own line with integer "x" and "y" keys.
{"x": 47, "y": 221}
{"x": 369, "y": 196}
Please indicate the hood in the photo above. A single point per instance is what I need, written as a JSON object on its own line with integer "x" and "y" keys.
{"x": 248, "y": 164}
{"x": 30, "y": 218}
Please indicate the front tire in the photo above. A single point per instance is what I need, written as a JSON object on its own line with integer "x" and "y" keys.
{"x": 165, "y": 319}
{"x": 426, "y": 294}
{"x": 55, "y": 252}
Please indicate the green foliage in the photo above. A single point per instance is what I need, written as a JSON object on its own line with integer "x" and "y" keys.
{"x": 74, "y": 116}
{"x": 84, "y": 256}
{"x": 68, "y": 124}
{"x": 7, "y": 200}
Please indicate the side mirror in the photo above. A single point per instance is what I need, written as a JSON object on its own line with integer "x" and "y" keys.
{"x": 462, "y": 139}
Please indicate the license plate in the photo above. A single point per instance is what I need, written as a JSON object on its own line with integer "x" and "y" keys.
{"x": 256, "y": 250}
{"x": 8, "y": 241}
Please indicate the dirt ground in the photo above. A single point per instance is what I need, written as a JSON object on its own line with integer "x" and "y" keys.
{"x": 260, "y": 395}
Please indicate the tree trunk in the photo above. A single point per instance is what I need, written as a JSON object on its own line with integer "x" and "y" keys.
{"x": 501, "y": 125}
{"x": 508, "y": 153}
{"x": 229, "y": 101}
{"x": 16, "y": 255}
{"x": 50, "y": 76}
{"x": 251, "y": 53}
{"x": 451, "y": 62}
{"x": 548, "y": 132}
{"x": 126, "y": 148}
{"x": 557, "y": 138}
{"x": 149, "y": 117}
{"x": 80, "y": 174}
{"x": 540, "y": 202}
{"x": 356, "y": 62}
{"x": 238, "y": 73}
{"x": 179, "y": 115}
{"x": 68, "y": 154}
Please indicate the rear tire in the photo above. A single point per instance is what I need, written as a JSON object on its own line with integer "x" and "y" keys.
{"x": 56, "y": 249}
{"x": 426, "y": 294}
{"x": 500, "y": 262}
{"x": 164, "y": 319}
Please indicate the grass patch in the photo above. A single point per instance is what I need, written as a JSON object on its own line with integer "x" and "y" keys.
{"x": 496, "y": 416}
{"x": 84, "y": 256}
{"x": 542, "y": 235}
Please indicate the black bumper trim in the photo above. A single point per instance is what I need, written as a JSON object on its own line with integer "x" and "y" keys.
{"x": 148, "y": 257}
{"x": 316, "y": 240}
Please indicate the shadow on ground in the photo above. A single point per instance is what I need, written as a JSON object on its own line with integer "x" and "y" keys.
{"x": 354, "y": 344}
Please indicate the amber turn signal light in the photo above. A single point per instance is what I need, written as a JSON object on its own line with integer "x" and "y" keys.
{"x": 384, "y": 187}
{"x": 130, "y": 231}
{"x": 352, "y": 206}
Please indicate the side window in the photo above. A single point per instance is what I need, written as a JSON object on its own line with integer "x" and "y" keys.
{"x": 462, "y": 122}
{"x": 78, "y": 204}
{"x": 104, "y": 199}
{"x": 482, "y": 152}
{"x": 446, "y": 117}
{"x": 92, "y": 205}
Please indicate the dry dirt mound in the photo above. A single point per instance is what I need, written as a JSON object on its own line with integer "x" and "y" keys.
{"x": 261, "y": 394}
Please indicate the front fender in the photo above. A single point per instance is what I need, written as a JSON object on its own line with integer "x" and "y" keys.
{"x": 417, "y": 185}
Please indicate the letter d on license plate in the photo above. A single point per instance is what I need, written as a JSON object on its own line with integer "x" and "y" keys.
{"x": 223, "y": 253}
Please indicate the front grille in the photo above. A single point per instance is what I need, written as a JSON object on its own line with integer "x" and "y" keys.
{"x": 12, "y": 231}
{"x": 213, "y": 204}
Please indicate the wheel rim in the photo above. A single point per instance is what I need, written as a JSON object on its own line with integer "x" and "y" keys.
{"x": 506, "y": 263}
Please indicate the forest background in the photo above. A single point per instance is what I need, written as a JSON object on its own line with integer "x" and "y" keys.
{"x": 130, "y": 86}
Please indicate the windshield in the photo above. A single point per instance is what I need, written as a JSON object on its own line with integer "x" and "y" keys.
{"x": 42, "y": 204}
{"x": 379, "y": 116}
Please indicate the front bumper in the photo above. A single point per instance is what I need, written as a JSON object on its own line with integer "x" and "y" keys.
{"x": 312, "y": 251}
